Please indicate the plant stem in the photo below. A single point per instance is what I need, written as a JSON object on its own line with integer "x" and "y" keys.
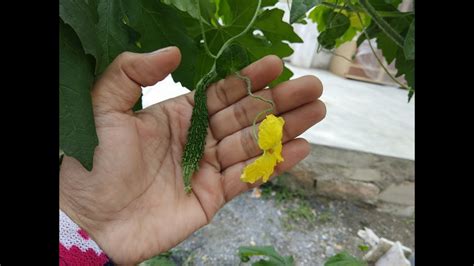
{"x": 249, "y": 91}
{"x": 202, "y": 32}
{"x": 339, "y": 55}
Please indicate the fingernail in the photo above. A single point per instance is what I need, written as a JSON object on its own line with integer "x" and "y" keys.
{"x": 162, "y": 50}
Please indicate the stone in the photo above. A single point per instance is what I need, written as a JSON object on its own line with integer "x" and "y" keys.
{"x": 368, "y": 236}
{"x": 392, "y": 252}
{"x": 366, "y": 174}
{"x": 329, "y": 251}
{"x": 402, "y": 194}
{"x": 348, "y": 190}
{"x": 396, "y": 209}
{"x": 346, "y": 174}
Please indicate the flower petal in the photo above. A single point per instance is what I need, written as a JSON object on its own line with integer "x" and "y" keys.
{"x": 260, "y": 168}
{"x": 277, "y": 152}
{"x": 270, "y": 132}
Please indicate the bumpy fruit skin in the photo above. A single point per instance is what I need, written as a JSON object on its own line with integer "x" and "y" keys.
{"x": 197, "y": 132}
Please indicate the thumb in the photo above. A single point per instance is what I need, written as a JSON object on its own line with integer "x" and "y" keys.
{"x": 119, "y": 87}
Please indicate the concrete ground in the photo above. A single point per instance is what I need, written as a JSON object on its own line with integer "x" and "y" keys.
{"x": 360, "y": 116}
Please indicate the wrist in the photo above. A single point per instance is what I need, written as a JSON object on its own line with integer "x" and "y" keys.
{"x": 79, "y": 215}
{"x": 75, "y": 245}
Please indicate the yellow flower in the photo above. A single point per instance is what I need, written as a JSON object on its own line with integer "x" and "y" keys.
{"x": 270, "y": 134}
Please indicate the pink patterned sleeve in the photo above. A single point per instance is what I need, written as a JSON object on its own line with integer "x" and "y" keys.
{"x": 76, "y": 247}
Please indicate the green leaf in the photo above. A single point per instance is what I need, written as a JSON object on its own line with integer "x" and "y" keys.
{"x": 411, "y": 92}
{"x": 158, "y": 27}
{"x": 101, "y": 28}
{"x": 77, "y": 135}
{"x": 268, "y": 35}
{"x": 320, "y": 15}
{"x": 138, "y": 106}
{"x": 245, "y": 252}
{"x": 269, "y": 2}
{"x": 336, "y": 26}
{"x": 388, "y": 47}
{"x": 160, "y": 260}
{"x": 363, "y": 248}
{"x": 223, "y": 11}
{"x": 385, "y": 5}
{"x": 405, "y": 67}
{"x": 344, "y": 259}
{"x": 262, "y": 262}
{"x": 300, "y": 7}
{"x": 409, "y": 45}
{"x": 346, "y": 37}
{"x": 284, "y": 76}
{"x": 323, "y": 15}
{"x": 112, "y": 32}
{"x": 372, "y": 30}
{"x": 188, "y": 6}
{"x": 232, "y": 59}
{"x": 394, "y": 3}
{"x": 82, "y": 17}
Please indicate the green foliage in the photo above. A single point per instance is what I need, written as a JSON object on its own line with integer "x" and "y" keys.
{"x": 272, "y": 256}
{"x": 268, "y": 35}
{"x": 188, "y": 6}
{"x": 302, "y": 212}
{"x": 158, "y": 28}
{"x": 160, "y": 260}
{"x": 77, "y": 136}
{"x": 300, "y": 7}
{"x": 409, "y": 45}
{"x": 344, "y": 259}
{"x": 98, "y": 23}
{"x": 336, "y": 26}
{"x": 282, "y": 193}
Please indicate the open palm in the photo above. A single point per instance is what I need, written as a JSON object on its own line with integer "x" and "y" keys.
{"x": 133, "y": 202}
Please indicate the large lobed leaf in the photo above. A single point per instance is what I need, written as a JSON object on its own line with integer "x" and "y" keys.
{"x": 158, "y": 28}
{"x": 273, "y": 258}
{"x": 404, "y": 57}
{"x": 337, "y": 26}
{"x": 300, "y": 7}
{"x": 77, "y": 135}
{"x": 101, "y": 27}
{"x": 344, "y": 259}
{"x": 269, "y": 34}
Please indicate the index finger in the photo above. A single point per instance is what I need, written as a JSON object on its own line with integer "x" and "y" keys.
{"x": 231, "y": 89}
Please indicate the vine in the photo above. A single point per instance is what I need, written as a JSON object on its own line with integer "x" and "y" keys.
{"x": 197, "y": 132}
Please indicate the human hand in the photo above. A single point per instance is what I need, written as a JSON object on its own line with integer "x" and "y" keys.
{"x": 133, "y": 202}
